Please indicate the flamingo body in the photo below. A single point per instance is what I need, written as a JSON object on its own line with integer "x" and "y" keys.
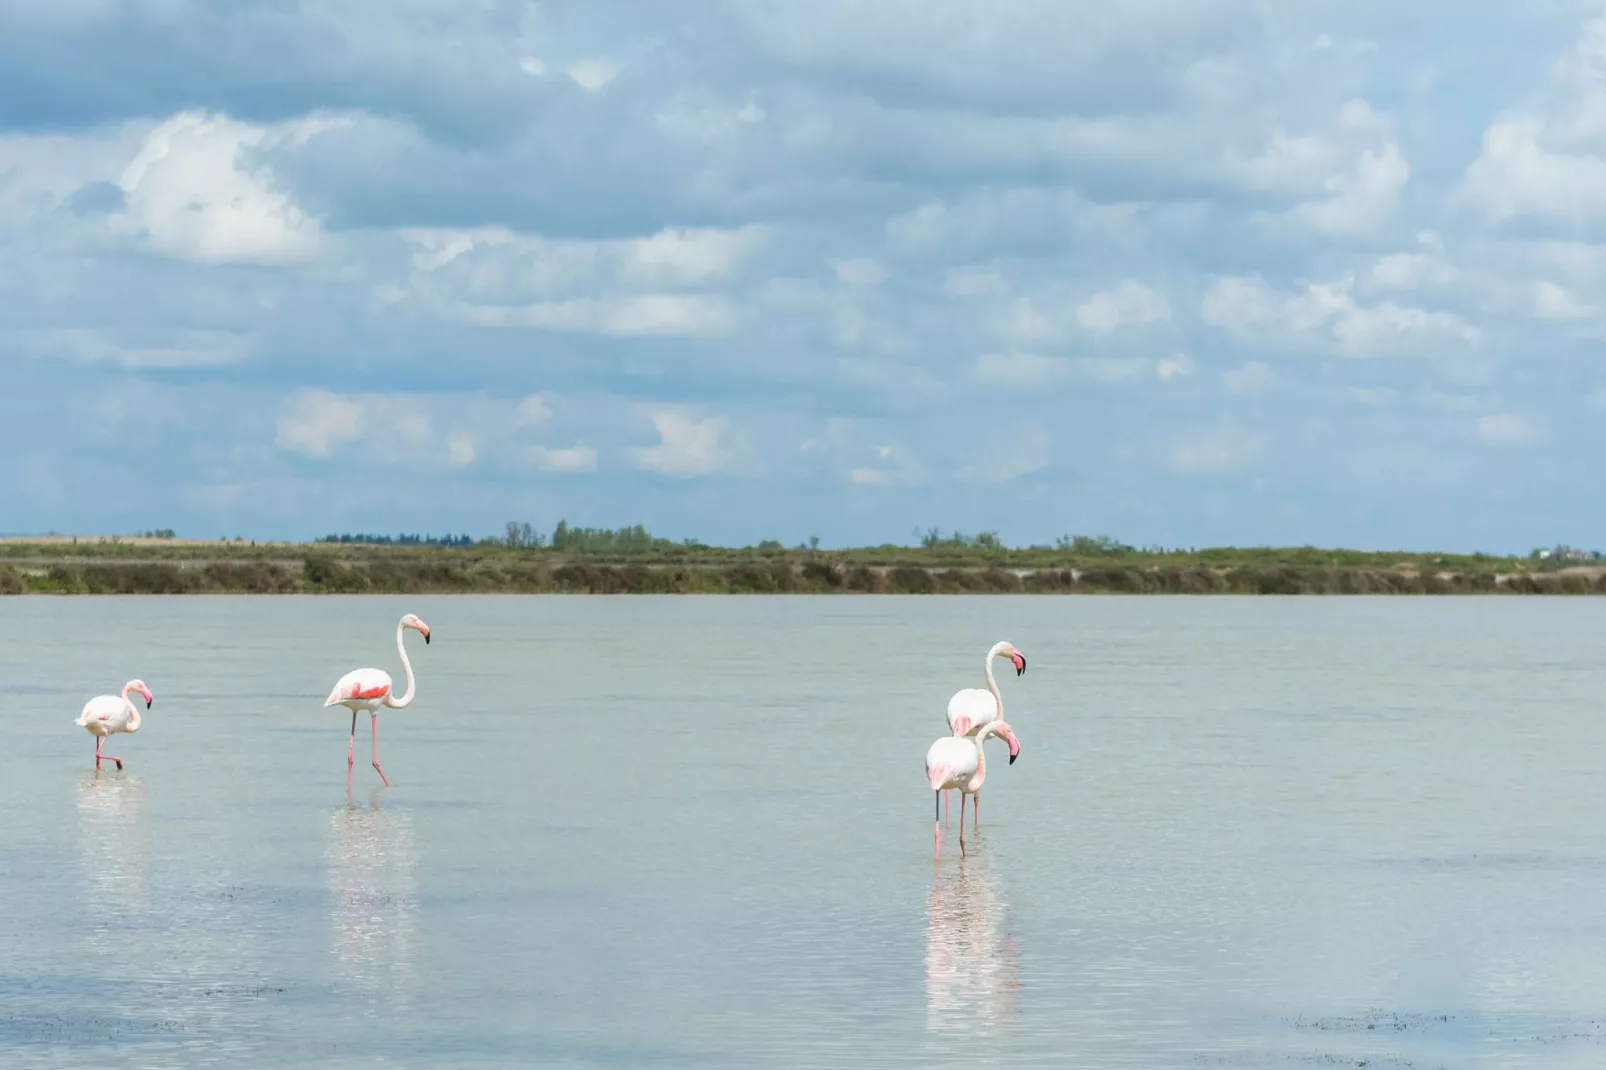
{"x": 958, "y": 762}
{"x": 110, "y": 715}
{"x": 370, "y": 690}
{"x": 972, "y": 708}
{"x": 360, "y": 689}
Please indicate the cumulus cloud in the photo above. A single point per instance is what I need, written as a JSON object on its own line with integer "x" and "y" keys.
{"x": 687, "y": 446}
{"x": 1327, "y": 315}
{"x": 192, "y": 193}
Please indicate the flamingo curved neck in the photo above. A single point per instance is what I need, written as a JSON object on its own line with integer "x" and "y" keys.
{"x": 992, "y": 684}
{"x": 407, "y": 670}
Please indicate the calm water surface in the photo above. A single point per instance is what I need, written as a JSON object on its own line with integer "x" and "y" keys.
{"x": 694, "y": 832}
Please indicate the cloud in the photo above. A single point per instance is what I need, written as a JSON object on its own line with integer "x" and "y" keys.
{"x": 687, "y": 446}
{"x": 1508, "y": 429}
{"x": 1250, "y": 377}
{"x": 1128, "y": 304}
{"x": 191, "y": 193}
{"x": 576, "y": 458}
{"x": 1325, "y": 315}
{"x": 314, "y": 422}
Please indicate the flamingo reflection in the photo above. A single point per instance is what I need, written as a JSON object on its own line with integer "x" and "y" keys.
{"x": 373, "y": 907}
{"x": 972, "y": 963}
{"x": 111, "y": 855}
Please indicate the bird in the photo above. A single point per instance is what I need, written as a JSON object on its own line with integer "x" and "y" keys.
{"x": 106, "y": 715}
{"x": 959, "y": 762}
{"x": 972, "y": 707}
{"x": 369, "y": 689}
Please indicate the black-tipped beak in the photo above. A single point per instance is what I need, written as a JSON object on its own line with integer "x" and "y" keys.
{"x": 148, "y": 703}
{"x": 1012, "y": 758}
{"x": 426, "y": 638}
{"x": 1020, "y": 664}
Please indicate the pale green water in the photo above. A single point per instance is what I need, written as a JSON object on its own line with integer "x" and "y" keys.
{"x": 689, "y": 832}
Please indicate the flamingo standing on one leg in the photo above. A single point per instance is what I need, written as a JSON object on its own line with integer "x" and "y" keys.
{"x": 959, "y": 762}
{"x": 972, "y": 707}
{"x": 105, "y": 715}
{"x": 369, "y": 689}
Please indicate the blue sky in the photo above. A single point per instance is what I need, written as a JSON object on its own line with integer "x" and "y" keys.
{"x": 1183, "y": 273}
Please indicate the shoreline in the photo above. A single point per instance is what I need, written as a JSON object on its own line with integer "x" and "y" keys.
{"x": 277, "y": 573}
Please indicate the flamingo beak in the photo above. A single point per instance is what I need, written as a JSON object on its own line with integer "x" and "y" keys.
{"x": 1020, "y": 662}
{"x": 148, "y": 700}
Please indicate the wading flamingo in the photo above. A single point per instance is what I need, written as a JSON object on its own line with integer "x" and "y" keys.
{"x": 369, "y": 689}
{"x": 959, "y": 762}
{"x": 105, "y": 715}
{"x": 972, "y": 707}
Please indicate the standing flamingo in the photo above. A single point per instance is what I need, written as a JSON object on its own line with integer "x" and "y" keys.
{"x": 369, "y": 689}
{"x": 105, "y": 715}
{"x": 972, "y": 707}
{"x": 959, "y": 762}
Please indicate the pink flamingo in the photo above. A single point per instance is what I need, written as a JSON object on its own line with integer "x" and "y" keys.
{"x": 972, "y": 707}
{"x": 369, "y": 689}
{"x": 959, "y": 762}
{"x": 105, "y": 715}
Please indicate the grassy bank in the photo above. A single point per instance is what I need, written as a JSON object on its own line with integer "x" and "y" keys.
{"x": 171, "y": 566}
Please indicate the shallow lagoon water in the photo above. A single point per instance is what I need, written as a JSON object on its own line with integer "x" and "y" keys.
{"x": 693, "y": 832}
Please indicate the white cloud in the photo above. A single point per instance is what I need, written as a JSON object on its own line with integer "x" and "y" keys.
{"x": 593, "y": 75}
{"x": 576, "y": 458}
{"x": 533, "y": 410}
{"x": 1217, "y": 450}
{"x": 1323, "y": 313}
{"x": 1250, "y": 377}
{"x": 1363, "y": 198}
{"x": 1128, "y": 304}
{"x": 1411, "y": 271}
{"x": 313, "y": 422}
{"x": 1176, "y": 366}
{"x": 1508, "y": 429}
{"x": 190, "y": 193}
{"x": 646, "y": 314}
{"x": 863, "y": 271}
{"x": 687, "y": 446}
{"x": 1553, "y": 301}
{"x": 133, "y": 348}
{"x": 1371, "y": 395}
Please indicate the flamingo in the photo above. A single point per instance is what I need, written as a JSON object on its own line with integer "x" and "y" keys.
{"x": 105, "y": 715}
{"x": 959, "y": 762}
{"x": 972, "y": 707}
{"x": 369, "y": 689}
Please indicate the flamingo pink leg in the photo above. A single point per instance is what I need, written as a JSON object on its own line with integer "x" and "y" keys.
{"x": 975, "y": 811}
{"x": 936, "y": 832}
{"x": 350, "y": 748}
{"x": 100, "y": 741}
{"x": 375, "y": 719}
{"x": 962, "y": 852}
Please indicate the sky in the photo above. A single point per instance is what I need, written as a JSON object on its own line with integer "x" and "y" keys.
{"x": 1183, "y": 273}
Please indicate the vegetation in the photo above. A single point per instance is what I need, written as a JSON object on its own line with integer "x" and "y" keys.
{"x": 573, "y": 559}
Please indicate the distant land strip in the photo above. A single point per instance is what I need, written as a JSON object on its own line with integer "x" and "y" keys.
{"x": 116, "y": 565}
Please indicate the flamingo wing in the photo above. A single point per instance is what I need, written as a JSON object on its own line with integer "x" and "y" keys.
{"x": 969, "y": 709}
{"x": 360, "y": 685}
{"x": 950, "y": 762}
{"x": 107, "y": 709}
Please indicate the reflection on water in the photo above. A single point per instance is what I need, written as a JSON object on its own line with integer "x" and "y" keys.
{"x": 112, "y": 856}
{"x": 972, "y": 961}
{"x": 373, "y": 907}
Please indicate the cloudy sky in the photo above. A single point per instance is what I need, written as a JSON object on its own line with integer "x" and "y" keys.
{"x": 1326, "y": 271}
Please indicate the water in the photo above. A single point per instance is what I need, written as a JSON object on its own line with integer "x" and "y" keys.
{"x": 693, "y": 832}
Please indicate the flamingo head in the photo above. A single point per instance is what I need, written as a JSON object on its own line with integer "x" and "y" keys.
{"x": 416, "y": 625}
{"x": 1009, "y": 737}
{"x": 1016, "y": 658}
{"x": 139, "y": 685}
